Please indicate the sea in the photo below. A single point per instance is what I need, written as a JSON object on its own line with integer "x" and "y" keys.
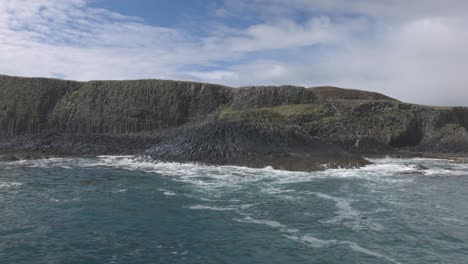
{"x": 121, "y": 209}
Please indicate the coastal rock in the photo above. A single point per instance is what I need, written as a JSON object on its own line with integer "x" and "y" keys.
{"x": 22, "y": 156}
{"x": 255, "y": 97}
{"x": 253, "y": 144}
{"x": 56, "y": 117}
{"x": 9, "y": 158}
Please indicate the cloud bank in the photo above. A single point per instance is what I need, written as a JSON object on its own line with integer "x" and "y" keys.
{"x": 411, "y": 50}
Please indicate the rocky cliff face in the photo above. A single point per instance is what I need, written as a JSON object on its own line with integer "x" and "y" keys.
{"x": 119, "y": 117}
{"x": 370, "y": 126}
{"x": 32, "y": 105}
{"x": 135, "y": 106}
{"x": 27, "y": 104}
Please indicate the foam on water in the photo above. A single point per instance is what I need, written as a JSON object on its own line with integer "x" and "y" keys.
{"x": 7, "y": 185}
{"x": 167, "y": 192}
{"x": 257, "y": 196}
{"x": 269, "y": 223}
{"x": 366, "y": 251}
{"x": 312, "y": 241}
{"x": 315, "y": 242}
{"x": 319, "y": 243}
{"x": 347, "y": 212}
{"x": 212, "y": 208}
{"x": 380, "y": 170}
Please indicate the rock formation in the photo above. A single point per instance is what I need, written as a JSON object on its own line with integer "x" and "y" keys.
{"x": 286, "y": 127}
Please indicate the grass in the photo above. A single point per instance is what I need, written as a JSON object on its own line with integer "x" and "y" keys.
{"x": 298, "y": 110}
{"x": 276, "y": 113}
{"x": 452, "y": 126}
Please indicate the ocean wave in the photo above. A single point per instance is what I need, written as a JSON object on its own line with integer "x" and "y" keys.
{"x": 267, "y": 197}
{"x": 237, "y": 175}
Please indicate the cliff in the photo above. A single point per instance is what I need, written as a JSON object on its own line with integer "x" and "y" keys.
{"x": 55, "y": 117}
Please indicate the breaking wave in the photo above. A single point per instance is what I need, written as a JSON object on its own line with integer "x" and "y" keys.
{"x": 250, "y": 196}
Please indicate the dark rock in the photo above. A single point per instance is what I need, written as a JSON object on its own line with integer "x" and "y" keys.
{"x": 23, "y": 156}
{"x": 9, "y": 158}
{"x": 252, "y": 144}
{"x": 281, "y": 125}
{"x": 421, "y": 167}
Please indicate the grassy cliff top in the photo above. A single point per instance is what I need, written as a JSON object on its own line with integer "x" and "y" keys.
{"x": 348, "y": 94}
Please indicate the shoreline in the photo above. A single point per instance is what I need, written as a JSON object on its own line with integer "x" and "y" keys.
{"x": 286, "y": 127}
{"x": 28, "y": 156}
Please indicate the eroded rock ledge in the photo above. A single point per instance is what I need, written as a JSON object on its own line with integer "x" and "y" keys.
{"x": 253, "y": 144}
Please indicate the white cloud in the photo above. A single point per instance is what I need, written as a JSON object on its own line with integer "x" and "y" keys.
{"x": 46, "y": 37}
{"x": 58, "y": 37}
{"x": 390, "y": 10}
{"x": 214, "y": 76}
{"x": 286, "y": 34}
{"x": 415, "y": 50}
{"x": 412, "y": 50}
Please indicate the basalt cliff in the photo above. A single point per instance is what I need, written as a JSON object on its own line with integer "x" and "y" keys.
{"x": 286, "y": 127}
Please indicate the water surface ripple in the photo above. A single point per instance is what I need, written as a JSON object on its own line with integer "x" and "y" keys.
{"x": 117, "y": 209}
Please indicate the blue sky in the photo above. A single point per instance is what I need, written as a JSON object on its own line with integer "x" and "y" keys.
{"x": 413, "y": 50}
{"x": 161, "y": 13}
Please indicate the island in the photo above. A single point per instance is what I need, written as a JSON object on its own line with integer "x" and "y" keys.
{"x": 285, "y": 127}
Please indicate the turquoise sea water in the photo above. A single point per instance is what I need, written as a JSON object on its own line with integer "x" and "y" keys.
{"x": 118, "y": 210}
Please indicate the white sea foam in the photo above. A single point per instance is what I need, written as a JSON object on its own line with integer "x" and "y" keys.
{"x": 345, "y": 210}
{"x": 212, "y": 208}
{"x": 217, "y": 181}
{"x": 55, "y": 200}
{"x": 355, "y": 247}
{"x": 313, "y": 241}
{"x": 291, "y": 230}
{"x": 167, "y": 192}
{"x": 320, "y": 243}
{"x": 269, "y": 223}
{"x": 276, "y": 190}
{"x": 246, "y": 206}
{"x": 445, "y": 172}
{"x": 350, "y": 216}
{"x": 7, "y": 185}
{"x": 214, "y": 177}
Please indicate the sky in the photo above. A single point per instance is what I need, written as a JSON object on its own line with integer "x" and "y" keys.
{"x": 413, "y": 50}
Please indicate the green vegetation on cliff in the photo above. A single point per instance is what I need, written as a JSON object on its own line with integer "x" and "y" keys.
{"x": 358, "y": 121}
